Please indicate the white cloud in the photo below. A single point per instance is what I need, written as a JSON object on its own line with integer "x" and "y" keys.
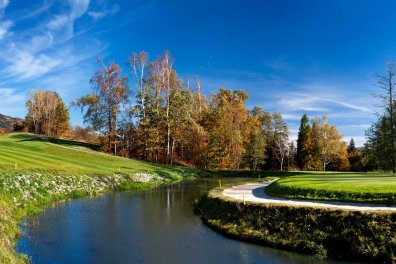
{"x": 355, "y": 126}
{"x": 26, "y": 65}
{"x": 51, "y": 46}
{"x": 359, "y": 140}
{"x": 12, "y": 102}
{"x": 4, "y": 4}
{"x": 58, "y": 22}
{"x": 47, "y": 47}
{"x": 312, "y": 103}
{"x": 4, "y": 28}
{"x": 39, "y": 9}
{"x": 301, "y": 103}
{"x": 103, "y": 12}
{"x": 78, "y": 8}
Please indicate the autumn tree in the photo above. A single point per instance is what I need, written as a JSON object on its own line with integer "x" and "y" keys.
{"x": 139, "y": 64}
{"x": 47, "y": 113}
{"x": 171, "y": 123}
{"x": 281, "y": 147}
{"x": 328, "y": 142}
{"x": 305, "y": 159}
{"x": 35, "y": 105}
{"x": 228, "y": 127}
{"x": 104, "y": 104}
{"x": 61, "y": 120}
{"x": 256, "y": 148}
{"x": 198, "y": 138}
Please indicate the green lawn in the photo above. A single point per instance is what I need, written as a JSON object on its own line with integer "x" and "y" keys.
{"x": 356, "y": 187}
{"x": 26, "y": 152}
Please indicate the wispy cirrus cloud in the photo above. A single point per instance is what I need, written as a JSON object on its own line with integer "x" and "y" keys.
{"x": 4, "y": 4}
{"x": 4, "y": 28}
{"x": 12, "y": 102}
{"x": 43, "y": 48}
{"x": 307, "y": 102}
{"x": 103, "y": 11}
{"x": 50, "y": 45}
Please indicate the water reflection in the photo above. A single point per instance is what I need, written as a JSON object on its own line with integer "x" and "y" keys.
{"x": 156, "y": 226}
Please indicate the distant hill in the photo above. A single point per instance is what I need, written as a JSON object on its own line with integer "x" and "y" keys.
{"x": 7, "y": 121}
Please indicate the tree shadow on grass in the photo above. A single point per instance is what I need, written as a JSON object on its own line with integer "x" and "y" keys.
{"x": 57, "y": 141}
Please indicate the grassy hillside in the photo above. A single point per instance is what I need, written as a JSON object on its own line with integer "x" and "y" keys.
{"x": 35, "y": 171}
{"x": 357, "y": 187}
{"x": 26, "y": 152}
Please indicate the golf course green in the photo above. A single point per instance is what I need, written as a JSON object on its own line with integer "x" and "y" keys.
{"x": 333, "y": 186}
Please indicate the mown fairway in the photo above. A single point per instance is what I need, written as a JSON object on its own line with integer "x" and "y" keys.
{"x": 358, "y": 187}
{"x": 26, "y": 152}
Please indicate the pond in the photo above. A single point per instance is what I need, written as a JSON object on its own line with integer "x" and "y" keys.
{"x": 155, "y": 226}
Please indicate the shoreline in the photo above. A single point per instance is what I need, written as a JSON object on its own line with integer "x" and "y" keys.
{"x": 325, "y": 232}
{"x": 16, "y": 213}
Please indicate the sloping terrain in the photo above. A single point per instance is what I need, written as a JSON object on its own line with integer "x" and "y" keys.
{"x": 27, "y": 152}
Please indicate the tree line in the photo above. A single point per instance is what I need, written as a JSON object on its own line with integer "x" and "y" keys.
{"x": 163, "y": 119}
{"x": 172, "y": 122}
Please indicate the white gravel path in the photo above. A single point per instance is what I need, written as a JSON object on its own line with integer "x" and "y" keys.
{"x": 254, "y": 192}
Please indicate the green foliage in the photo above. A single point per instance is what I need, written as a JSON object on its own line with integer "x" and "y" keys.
{"x": 351, "y": 146}
{"x": 380, "y": 150}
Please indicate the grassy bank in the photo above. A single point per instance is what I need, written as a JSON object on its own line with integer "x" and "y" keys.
{"x": 354, "y": 187}
{"x": 36, "y": 171}
{"x": 325, "y": 232}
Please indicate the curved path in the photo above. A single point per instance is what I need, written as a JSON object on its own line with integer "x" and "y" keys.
{"x": 254, "y": 192}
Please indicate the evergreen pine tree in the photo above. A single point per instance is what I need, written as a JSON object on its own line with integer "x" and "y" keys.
{"x": 302, "y": 142}
{"x": 351, "y": 146}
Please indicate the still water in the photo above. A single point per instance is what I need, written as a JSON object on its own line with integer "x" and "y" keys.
{"x": 156, "y": 226}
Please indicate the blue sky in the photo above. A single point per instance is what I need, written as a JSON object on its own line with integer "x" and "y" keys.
{"x": 293, "y": 57}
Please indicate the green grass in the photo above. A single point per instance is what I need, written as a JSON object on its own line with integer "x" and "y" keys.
{"x": 36, "y": 171}
{"x": 354, "y": 187}
{"x": 26, "y": 152}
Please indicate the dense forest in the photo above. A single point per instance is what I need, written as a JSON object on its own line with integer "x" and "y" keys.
{"x": 162, "y": 119}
